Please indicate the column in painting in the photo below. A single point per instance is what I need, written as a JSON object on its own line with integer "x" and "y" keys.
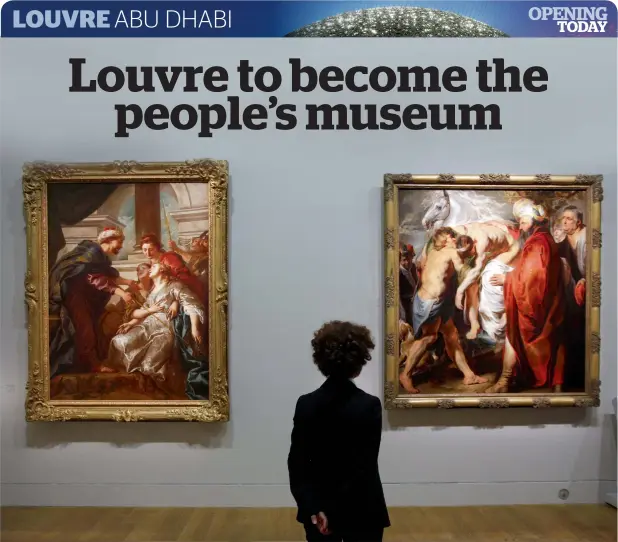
{"x": 147, "y": 220}
{"x": 147, "y": 211}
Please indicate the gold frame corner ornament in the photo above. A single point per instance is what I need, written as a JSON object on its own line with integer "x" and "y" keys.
{"x": 593, "y": 188}
{"x": 36, "y": 176}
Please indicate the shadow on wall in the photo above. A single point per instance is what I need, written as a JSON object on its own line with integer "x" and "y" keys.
{"x": 607, "y": 462}
{"x": 614, "y": 403}
{"x": 129, "y": 435}
{"x": 490, "y": 419}
{"x": 607, "y": 465}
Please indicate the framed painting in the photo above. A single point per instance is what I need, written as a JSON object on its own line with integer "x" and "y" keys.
{"x": 126, "y": 290}
{"x": 492, "y": 290}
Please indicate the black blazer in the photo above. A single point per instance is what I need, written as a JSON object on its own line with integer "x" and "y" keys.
{"x": 333, "y": 459}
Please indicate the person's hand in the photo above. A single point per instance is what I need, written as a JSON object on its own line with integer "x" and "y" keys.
{"x": 321, "y": 522}
{"x": 124, "y": 328}
{"x": 580, "y": 292}
{"x": 172, "y": 312}
{"x": 158, "y": 307}
{"x": 173, "y": 245}
{"x": 497, "y": 280}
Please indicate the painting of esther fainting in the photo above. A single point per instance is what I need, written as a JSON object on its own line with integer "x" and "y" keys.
{"x": 493, "y": 290}
{"x": 126, "y": 290}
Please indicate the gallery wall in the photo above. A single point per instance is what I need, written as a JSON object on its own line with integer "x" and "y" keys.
{"x": 305, "y": 246}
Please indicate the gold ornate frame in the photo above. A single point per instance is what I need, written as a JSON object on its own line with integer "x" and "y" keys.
{"x": 592, "y": 185}
{"x": 36, "y": 178}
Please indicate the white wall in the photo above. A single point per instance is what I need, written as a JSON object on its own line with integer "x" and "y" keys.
{"x": 305, "y": 246}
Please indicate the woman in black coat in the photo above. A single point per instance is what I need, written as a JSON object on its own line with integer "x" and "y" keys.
{"x": 333, "y": 459}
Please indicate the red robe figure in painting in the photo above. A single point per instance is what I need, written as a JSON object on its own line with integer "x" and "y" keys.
{"x": 535, "y": 306}
{"x": 153, "y": 250}
{"x": 80, "y": 285}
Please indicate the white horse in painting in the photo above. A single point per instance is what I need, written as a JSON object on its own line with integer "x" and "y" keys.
{"x": 457, "y": 207}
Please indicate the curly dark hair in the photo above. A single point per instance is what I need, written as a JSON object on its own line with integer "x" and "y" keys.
{"x": 341, "y": 349}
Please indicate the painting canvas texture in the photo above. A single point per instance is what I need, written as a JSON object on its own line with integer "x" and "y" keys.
{"x": 493, "y": 291}
{"x": 128, "y": 275}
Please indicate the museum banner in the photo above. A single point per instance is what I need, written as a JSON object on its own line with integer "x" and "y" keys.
{"x": 325, "y": 19}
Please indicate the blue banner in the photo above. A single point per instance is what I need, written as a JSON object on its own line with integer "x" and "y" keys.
{"x": 270, "y": 19}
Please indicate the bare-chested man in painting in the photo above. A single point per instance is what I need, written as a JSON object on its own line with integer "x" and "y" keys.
{"x": 477, "y": 245}
{"x": 434, "y": 306}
